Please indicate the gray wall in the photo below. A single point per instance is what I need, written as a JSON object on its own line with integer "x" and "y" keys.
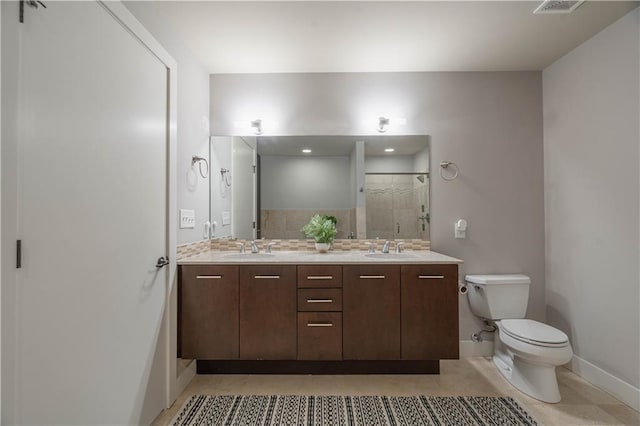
{"x": 193, "y": 118}
{"x": 591, "y": 141}
{"x": 293, "y": 182}
{"x": 489, "y": 123}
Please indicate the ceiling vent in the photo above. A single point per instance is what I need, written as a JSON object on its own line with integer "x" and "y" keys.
{"x": 551, "y": 6}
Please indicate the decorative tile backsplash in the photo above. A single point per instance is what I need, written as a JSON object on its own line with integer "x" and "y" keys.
{"x": 225, "y": 244}
{"x": 192, "y": 249}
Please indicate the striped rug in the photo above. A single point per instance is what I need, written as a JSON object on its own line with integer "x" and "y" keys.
{"x": 272, "y": 410}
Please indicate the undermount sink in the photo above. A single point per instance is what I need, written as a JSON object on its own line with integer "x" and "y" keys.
{"x": 390, "y": 255}
{"x": 248, "y": 255}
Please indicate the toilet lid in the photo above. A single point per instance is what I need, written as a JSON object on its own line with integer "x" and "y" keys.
{"x": 534, "y": 332}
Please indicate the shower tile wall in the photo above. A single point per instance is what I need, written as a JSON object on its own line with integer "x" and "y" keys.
{"x": 287, "y": 224}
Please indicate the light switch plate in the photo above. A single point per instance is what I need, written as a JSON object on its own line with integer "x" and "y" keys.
{"x": 187, "y": 218}
{"x": 226, "y": 217}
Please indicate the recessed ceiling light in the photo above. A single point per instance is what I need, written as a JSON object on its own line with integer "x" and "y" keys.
{"x": 389, "y": 150}
{"x": 306, "y": 151}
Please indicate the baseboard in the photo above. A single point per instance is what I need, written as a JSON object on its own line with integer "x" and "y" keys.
{"x": 183, "y": 378}
{"x": 469, "y": 348}
{"x": 595, "y": 375}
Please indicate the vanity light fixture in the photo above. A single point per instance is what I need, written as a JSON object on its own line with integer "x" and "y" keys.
{"x": 306, "y": 151}
{"x": 385, "y": 122}
{"x": 256, "y": 125}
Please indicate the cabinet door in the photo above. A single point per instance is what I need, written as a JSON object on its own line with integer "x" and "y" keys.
{"x": 268, "y": 312}
{"x": 430, "y": 312}
{"x": 371, "y": 312}
{"x": 209, "y": 312}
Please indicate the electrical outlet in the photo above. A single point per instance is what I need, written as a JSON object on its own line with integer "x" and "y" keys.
{"x": 187, "y": 219}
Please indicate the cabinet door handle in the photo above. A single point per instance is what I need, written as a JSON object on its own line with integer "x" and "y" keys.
{"x": 319, "y": 277}
{"x": 209, "y": 277}
{"x": 266, "y": 277}
{"x": 319, "y": 300}
{"x": 430, "y": 277}
{"x": 319, "y": 324}
{"x": 372, "y": 277}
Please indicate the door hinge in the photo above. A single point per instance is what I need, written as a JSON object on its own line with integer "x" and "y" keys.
{"x": 18, "y": 254}
{"x": 254, "y": 224}
{"x": 254, "y": 169}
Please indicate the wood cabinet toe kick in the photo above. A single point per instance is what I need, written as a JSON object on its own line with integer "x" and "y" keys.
{"x": 316, "y": 319}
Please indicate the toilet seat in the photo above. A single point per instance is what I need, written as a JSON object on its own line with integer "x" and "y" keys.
{"x": 534, "y": 333}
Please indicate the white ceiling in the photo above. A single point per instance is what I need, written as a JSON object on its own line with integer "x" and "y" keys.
{"x": 357, "y": 36}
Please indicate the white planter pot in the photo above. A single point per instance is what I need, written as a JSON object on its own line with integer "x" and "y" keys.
{"x": 323, "y": 247}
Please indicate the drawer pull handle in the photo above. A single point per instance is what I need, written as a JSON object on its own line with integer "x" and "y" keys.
{"x": 319, "y": 324}
{"x": 319, "y": 300}
{"x": 430, "y": 277}
{"x": 266, "y": 277}
{"x": 319, "y": 277}
{"x": 208, "y": 277}
{"x": 372, "y": 277}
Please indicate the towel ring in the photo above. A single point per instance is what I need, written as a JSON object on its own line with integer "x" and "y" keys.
{"x": 445, "y": 165}
{"x": 195, "y": 159}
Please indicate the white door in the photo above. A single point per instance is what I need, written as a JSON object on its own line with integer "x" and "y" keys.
{"x": 243, "y": 190}
{"x": 93, "y": 200}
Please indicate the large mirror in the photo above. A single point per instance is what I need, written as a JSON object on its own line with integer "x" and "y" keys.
{"x": 270, "y": 186}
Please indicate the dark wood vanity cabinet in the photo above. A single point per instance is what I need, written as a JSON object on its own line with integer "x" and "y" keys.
{"x": 209, "y": 312}
{"x": 367, "y": 316}
{"x": 429, "y": 312}
{"x": 268, "y": 312}
{"x": 371, "y": 312}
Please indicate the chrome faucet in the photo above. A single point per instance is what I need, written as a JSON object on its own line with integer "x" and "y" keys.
{"x": 399, "y": 245}
{"x": 242, "y": 248}
{"x": 372, "y": 247}
{"x": 385, "y": 247}
{"x": 267, "y": 247}
{"x": 254, "y": 247}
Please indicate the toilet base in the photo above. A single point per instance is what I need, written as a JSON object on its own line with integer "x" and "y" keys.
{"x": 536, "y": 381}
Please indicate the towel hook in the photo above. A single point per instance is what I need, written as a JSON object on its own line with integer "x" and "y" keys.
{"x": 445, "y": 165}
{"x": 226, "y": 176}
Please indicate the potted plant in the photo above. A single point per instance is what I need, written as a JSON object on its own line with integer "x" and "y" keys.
{"x": 322, "y": 229}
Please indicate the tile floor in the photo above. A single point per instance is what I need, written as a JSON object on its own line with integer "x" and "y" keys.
{"x": 582, "y": 403}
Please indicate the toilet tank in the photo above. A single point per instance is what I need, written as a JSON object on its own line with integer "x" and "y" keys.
{"x": 498, "y": 296}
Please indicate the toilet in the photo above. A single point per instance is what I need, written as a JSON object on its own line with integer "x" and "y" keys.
{"x": 526, "y": 352}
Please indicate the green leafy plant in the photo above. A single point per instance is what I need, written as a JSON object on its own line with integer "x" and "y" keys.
{"x": 321, "y": 228}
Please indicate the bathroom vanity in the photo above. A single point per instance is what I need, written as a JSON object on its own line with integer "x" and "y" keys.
{"x": 304, "y": 312}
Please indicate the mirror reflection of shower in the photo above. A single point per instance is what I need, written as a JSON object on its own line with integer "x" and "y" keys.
{"x": 397, "y": 205}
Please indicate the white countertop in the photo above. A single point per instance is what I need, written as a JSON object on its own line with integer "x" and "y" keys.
{"x": 312, "y": 257}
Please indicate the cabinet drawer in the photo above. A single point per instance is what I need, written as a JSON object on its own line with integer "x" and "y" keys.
{"x": 320, "y": 299}
{"x": 319, "y": 336}
{"x": 319, "y": 276}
